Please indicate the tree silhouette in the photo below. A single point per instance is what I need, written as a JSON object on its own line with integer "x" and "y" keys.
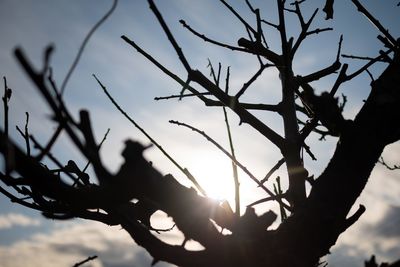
{"x": 311, "y": 221}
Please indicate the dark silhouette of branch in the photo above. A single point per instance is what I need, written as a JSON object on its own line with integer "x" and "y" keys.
{"x": 392, "y": 168}
{"x": 171, "y": 38}
{"x": 85, "y": 261}
{"x": 168, "y": 72}
{"x": 180, "y": 96}
{"x": 360, "y": 57}
{"x": 304, "y": 28}
{"x": 252, "y": 79}
{"x": 99, "y": 146}
{"x": 234, "y": 165}
{"x": 242, "y": 20}
{"x": 233, "y": 159}
{"x": 375, "y": 22}
{"x": 275, "y": 168}
{"x": 369, "y": 64}
{"x": 183, "y": 170}
{"x": 131, "y": 195}
{"x": 257, "y": 49}
{"x": 244, "y": 115}
{"x": 328, "y": 9}
{"x": 228, "y": 128}
{"x": 6, "y": 98}
{"x": 319, "y": 74}
{"x": 206, "y": 39}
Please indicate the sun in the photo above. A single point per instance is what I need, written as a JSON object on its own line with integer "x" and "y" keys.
{"x": 213, "y": 171}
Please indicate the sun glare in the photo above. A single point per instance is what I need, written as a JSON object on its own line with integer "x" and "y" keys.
{"x": 214, "y": 172}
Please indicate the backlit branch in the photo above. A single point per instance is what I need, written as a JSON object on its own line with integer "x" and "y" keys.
{"x": 252, "y": 79}
{"x": 234, "y": 160}
{"x": 179, "y": 96}
{"x": 183, "y": 170}
{"x": 243, "y": 114}
{"x": 82, "y": 47}
{"x": 171, "y": 38}
{"x": 392, "y": 168}
{"x": 243, "y": 21}
{"x": 304, "y": 29}
{"x": 206, "y": 39}
{"x": 376, "y": 23}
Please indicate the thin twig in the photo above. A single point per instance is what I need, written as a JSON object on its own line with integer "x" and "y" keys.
{"x": 15, "y": 199}
{"x": 158, "y": 231}
{"x": 234, "y": 165}
{"x": 392, "y": 168}
{"x": 258, "y": 56}
{"x": 171, "y": 38}
{"x": 99, "y": 146}
{"x": 273, "y": 169}
{"x": 28, "y": 147}
{"x": 57, "y": 133}
{"x": 180, "y": 96}
{"x": 252, "y": 79}
{"x": 303, "y": 24}
{"x": 50, "y": 144}
{"x": 164, "y": 69}
{"x": 359, "y": 57}
{"x": 239, "y": 17}
{"x": 60, "y": 112}
{"x": 269, "y": 192}
{"x": 266, "y": 200}
{"x": 369, "y": 64}
{"x": 278, "y": 191}
{"x": 6, "y": 97}
{"x": 184, "y": 170}
{"x": 249, "y": 5}
{"x": 326, "y": 71}
{"x": 319, "y": 30}
{"x": 82, "y": 47}
{"x": 84, "y": 261}
{"x": 270, "y": 24}
{"x": 206, "y": 39}
{"x": 339, "y": 80}
{"x": 37, "y": 145}
{"x": 375, "y": 22}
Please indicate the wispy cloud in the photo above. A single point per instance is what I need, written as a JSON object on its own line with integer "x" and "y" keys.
{"x": 15, "y": 219}
{"x": 377, "y": 231}
{"x": 74, "y": 242}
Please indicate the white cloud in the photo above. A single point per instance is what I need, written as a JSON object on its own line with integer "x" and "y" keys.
{"x": 14, "y": 219}
{"x": 74, "y": 242}
{"x": 376, "y": 232}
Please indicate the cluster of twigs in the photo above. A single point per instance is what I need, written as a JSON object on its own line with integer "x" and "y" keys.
{"x": 198, "y": 217}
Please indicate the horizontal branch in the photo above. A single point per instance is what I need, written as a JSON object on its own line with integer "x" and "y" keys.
{"x": 319, "y": 74}
{"x": 206, "y": 39}
{"x": 179, "y": 96}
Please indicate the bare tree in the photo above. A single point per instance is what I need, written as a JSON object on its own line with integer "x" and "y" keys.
{"x": 311, "y": 223}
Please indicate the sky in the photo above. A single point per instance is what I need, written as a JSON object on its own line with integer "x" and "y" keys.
{"x": 27, "y": 237}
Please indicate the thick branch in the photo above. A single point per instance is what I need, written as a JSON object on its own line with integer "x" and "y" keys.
{"x": 323, "y": 218}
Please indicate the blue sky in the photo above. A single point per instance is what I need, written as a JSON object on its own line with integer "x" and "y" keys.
{"x": 26, "y": 237}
